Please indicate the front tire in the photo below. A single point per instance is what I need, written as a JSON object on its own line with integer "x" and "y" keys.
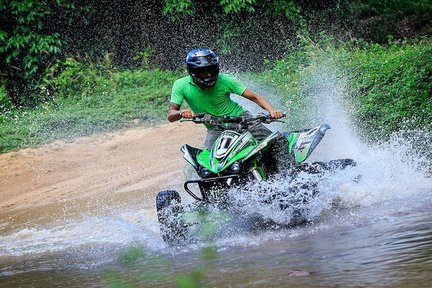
{"x": 169, "y": 211}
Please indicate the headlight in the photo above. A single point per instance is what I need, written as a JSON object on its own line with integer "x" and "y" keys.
{"x": 204, "y": 172}
{"x": 235, "y": 167}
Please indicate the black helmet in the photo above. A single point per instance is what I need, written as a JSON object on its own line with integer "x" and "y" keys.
{"x": 203, "y": 66}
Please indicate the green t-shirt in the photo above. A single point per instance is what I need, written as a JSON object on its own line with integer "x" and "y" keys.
{"x": 215, "y": 100}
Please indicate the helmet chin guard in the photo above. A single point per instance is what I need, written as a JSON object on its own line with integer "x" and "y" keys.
{"x": 203, "y": 66}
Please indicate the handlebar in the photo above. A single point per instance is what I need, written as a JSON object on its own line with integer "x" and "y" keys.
{"x": 232, "y": 122}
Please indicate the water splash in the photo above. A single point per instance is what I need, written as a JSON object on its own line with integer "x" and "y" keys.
{"x": 385, "y": 171}
{"x": 389, "y": 170}
{"x": 91, "y": 235}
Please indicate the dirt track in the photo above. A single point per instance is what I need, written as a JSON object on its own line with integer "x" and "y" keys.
{"x": 96, "y": 166}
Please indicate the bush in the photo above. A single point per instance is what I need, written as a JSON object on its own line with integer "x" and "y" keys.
{"x": 392, "y": 84}
{"x": 78, "y": 78}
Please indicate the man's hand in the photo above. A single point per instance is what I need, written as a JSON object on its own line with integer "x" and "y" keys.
{"x": 175, "y": 114}
{"x": 188, "y": 114}
{"x": 276, "y": 114}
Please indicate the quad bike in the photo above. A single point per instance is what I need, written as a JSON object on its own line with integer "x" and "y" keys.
{"x": 237, "y": 159}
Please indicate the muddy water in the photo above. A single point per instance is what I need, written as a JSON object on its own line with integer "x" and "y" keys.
{"x": 378, "y": 235}
{"x": 363, "y": 243}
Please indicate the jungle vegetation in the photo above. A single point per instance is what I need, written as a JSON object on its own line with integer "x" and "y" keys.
{"x": 71, "y": 68}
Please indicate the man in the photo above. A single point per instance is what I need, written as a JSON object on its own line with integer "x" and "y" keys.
{"x": 205, "y": 90}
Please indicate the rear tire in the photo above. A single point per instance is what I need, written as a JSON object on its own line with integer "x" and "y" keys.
{"x": 340, "y": 164}
{"x": 332, "y": 165}
{"x": 169, "y": 211}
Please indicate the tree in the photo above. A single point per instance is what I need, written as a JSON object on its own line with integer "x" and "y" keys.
{"x": 27, "y": 43}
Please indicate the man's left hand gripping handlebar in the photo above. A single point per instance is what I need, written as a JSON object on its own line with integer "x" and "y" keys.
{"x": 276, "y": 114}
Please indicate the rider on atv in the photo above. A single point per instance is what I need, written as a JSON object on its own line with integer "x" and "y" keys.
{"x": 239, "y": 150}
{"x": 206, "y": 90}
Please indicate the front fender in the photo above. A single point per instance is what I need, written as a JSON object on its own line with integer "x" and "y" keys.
{"x": 302, "y": 143}
{"x": 190, "y": 154}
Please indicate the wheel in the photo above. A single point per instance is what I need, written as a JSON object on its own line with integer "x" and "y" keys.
{"x": 169, "y": 211}
{"x": 165, "y": 199}
{"x": 332, "y": 165}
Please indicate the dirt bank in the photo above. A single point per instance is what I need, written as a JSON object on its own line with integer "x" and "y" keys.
{"x": 101, "y": 165}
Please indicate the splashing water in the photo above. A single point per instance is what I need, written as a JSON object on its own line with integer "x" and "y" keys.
{"x": 120, "y": 228}
{"x": 385, "y": 171}
{"x": 389, "y": 170}
{"x": 281, "y": 200}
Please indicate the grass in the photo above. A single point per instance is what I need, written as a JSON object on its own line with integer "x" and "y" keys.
{"x": 135, "y": 98}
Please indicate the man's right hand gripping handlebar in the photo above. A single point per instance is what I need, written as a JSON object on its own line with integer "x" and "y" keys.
{"x": 186, "y": 113}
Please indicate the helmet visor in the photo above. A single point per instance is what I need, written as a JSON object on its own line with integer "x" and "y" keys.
{"x": 206, "y": 72}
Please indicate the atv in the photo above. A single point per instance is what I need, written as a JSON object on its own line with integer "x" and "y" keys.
{"x": 237, "y": 160}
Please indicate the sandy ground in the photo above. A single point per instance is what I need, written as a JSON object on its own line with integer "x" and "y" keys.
{"x": 96, "y": 166}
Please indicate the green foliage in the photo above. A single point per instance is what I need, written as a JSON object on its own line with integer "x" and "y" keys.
{"x": 142, "y": 269}
{"x": 233, "y": 41}
{"x": 78, "y": 78}
{"x": 249, "y": 37}
{"x": 392, "y": 8}
{"x": 291, "y": 77}
{"x": 388, "y": 85}
{"x": 287, "y": 8}
{"x": 187, "y": 6}
{"x": 235, "y": 6}
{"x": 178, "y": 6}
{"x": 69, "y": 91}
{"x": 392, "y": 85}
{"x": 35, "y": 34}
{"x": 290, "y": 10}
{"x": 26, "y": 45}
{"x": 144, "y": 57}
{"x": 5, "y": 103}
{"x": 375, "y": 20}
{"x": 227, "y": 41}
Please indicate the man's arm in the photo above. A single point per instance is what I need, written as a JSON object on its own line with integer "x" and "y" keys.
{"x": 263, "y": 103}
{"x": 174, "y": 113}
